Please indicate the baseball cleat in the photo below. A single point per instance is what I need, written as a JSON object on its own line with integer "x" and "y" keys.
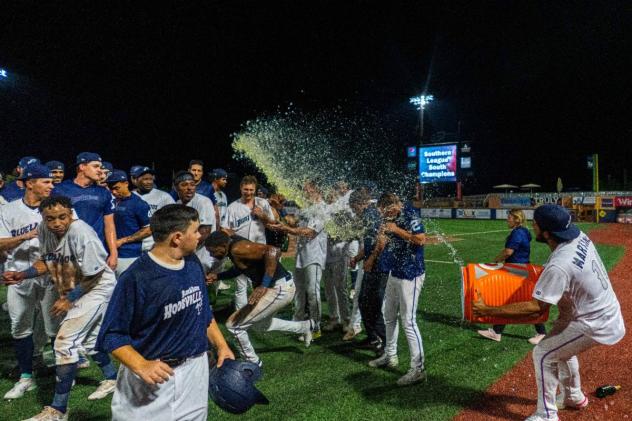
{"x": 490, "y": 334}
{"x": 385, "y": 361}
{"x": 536, "y": 417}
{"x": 49, "y": 414}
{"x": 308, "y": 336}
{"x": 83, "y": 362}
{"x": 21, "y": 387}
{"x": 414, "y": 375}
{"x": 105, "y": 388}
{"x": 562, "y": 403}
{"x": 352, "y": 332}
{"x": 534, "y": 340}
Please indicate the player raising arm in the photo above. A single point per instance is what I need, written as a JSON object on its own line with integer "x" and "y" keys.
{"x": 159, "y": 323}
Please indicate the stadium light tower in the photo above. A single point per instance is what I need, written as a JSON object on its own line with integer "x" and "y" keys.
{"x": 420, "y": 102}
{"x": 3, "y": 74}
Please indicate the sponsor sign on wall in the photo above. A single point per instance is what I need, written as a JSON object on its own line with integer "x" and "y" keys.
{"x": 474, "y": 213}
{"x": 623, "y": 202}
{"x": 436, "y": 213}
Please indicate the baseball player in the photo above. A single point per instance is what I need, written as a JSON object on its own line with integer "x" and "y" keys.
{"x": 184, "y": 185}
{"x": 106, "y": 170}
{"x": 73, "y": 255}
{"x": 248, "y": 217}
{"x": 219, "y": 179}
{"x": 273, "y": 290}
{"x": 404, "y": 253}
{"x": 145, "y": 188}
{"x": 204, "y": 188}
{"x": 57, "y": 169}
{"x": 158, "y": 325}
{"x": 574, "y": 279}
{"x": 18, "y": 236}
{"x": 311, "y": 254}
{"x": 131, "y": 218}
{"x": 93, "y": 203}
{"x": 15, "y": 190}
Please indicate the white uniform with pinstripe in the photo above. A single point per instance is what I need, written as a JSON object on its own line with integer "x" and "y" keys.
{"x": 576, "y": 280}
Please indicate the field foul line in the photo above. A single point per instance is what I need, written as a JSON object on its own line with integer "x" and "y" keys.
{"x": 473, "y": 233}
{"x": 439, "y": 261}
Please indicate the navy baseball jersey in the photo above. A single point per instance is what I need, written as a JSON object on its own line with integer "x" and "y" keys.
{"x": 12, "y": 192}
{"x": 90, "y": 203}
{"x": 519, "y": 241}
{"x": 130, "y": 215}
{"x": 406, "y": 260}
{"x": 161, "y": 311}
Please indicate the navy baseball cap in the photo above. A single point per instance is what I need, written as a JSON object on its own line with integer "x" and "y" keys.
{"x": 556, "y": 220}
{"x": 105, "y": 165}
{"x": 263, "y": 190}
{"x": 138, "y": 170}
{"x": 116, "y": 176}
{"x": 28, "y": 160}
{"x": 218, "y": 173}
{"x": 85, "y": 157}
{"x": 55, "y": 165}
{"x": 36, "y": 171}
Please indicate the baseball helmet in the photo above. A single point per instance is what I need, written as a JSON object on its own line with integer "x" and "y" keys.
{"x": 232, "y": 386}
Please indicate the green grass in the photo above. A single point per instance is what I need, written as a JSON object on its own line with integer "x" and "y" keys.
{"x": 331, "y": 379}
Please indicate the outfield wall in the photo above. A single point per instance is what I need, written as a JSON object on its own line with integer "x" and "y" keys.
{"x": 458, "y": 213}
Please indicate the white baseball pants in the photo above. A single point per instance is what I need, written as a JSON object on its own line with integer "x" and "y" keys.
{"x": 261, "y": 318}
{"x": 122, "y": 264}
{"x": 307, "y": 281}
{"x": 183, "y": 397}
{"x": 241, "y": 291}
{"x": 555, "y": 362}
{"x": 23, "y": 303}
{"x": 401, "y": 297}
{"x": 356, "y": 318}
{"x": 335, "y": 277}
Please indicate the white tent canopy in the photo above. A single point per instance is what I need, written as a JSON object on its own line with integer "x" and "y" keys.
{"x": 505, "y": 186}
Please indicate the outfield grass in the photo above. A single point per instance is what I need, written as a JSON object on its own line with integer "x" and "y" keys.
{"x": 331, "y": 379}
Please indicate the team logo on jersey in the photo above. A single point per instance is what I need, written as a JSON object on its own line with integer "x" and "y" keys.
{"x": 190, "y": 297}
{"x": 24, "y": 230}
{"x": 59, "y": 258}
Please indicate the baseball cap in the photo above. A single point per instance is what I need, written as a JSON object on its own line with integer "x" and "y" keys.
{"x": 28, "y": 160}
{"x": 85, "y": 157}
{"x": 556, "y": 220}
{"x": 182, "y": 176}
{"x": 36, "y": 171}
{"x": 105, "y": 165}
{"x": 116, "y": 176}
{"x": 217, "y": 173}
{"x": 55, "y": 165}
{"x": 263, "y": 190}
{"x": 138, "y": 170}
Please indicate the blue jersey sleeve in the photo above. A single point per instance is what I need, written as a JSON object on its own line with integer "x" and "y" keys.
{"x": 515, "y": 239}
{"x": 115, "y": 330}
{"x": 108, "y": 203}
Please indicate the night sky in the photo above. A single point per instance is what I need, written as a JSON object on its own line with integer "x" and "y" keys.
{"x": 536, "y": 86}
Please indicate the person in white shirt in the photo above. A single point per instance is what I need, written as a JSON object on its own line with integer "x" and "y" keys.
{"x": 145, "y": 188}
{"x": 248, "y": 217}
{"x": 311, "y": 255}
{"x": 574, "y": 279}
{"x": 184, "y": 185}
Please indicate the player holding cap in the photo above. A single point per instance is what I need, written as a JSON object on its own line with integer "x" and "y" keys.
{"x": 574, "y": 279}
{"x": 404, "y": 254}
{"x": 273, "y": 290}
{"x": 131, "y": 218}
{"x": 18, "y": 236}
{"x": 93, "y": 204}
{"x": 15, "y": 190}
{"x": 58, "y": 169}
{"x": 145, "y": 189}
{"x": 184, "y": 185}
{"x": 159, "y": 324}
{"x": 248, "y": 217}
{"x": 74, "y": 257}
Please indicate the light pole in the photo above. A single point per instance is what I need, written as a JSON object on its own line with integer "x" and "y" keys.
{"x": 420, "y": 102}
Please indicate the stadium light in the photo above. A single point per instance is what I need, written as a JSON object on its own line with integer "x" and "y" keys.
{"x": 3, "y": 73}
{"x": 420, "y": 102}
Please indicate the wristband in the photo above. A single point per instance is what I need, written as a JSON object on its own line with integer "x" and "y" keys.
{"x": 75, "y": 294}
{"x": 266, "y": 281}
{"x": 30, "y": 273}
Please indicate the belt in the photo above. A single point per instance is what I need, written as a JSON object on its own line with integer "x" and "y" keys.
{"x": 286, "y": 279}
{"x": 175, "y": 362}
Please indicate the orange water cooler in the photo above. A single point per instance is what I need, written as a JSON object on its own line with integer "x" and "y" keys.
{"x": 499, "y": 284}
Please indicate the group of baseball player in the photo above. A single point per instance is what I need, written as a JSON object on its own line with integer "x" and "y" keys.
{"x": 106, "y": 263}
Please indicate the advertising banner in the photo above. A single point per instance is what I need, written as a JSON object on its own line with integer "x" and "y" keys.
{"x": 515, "y": 202}
{"x": 623, "y": 202}
{"x": 437, "y": 163}
{"x": 436, "y": 213}
{"x": 502, "y": 213}
{"x": 474, "y": 213}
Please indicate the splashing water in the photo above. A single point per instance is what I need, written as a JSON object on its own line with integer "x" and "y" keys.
{"x": 433, "y": 228}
